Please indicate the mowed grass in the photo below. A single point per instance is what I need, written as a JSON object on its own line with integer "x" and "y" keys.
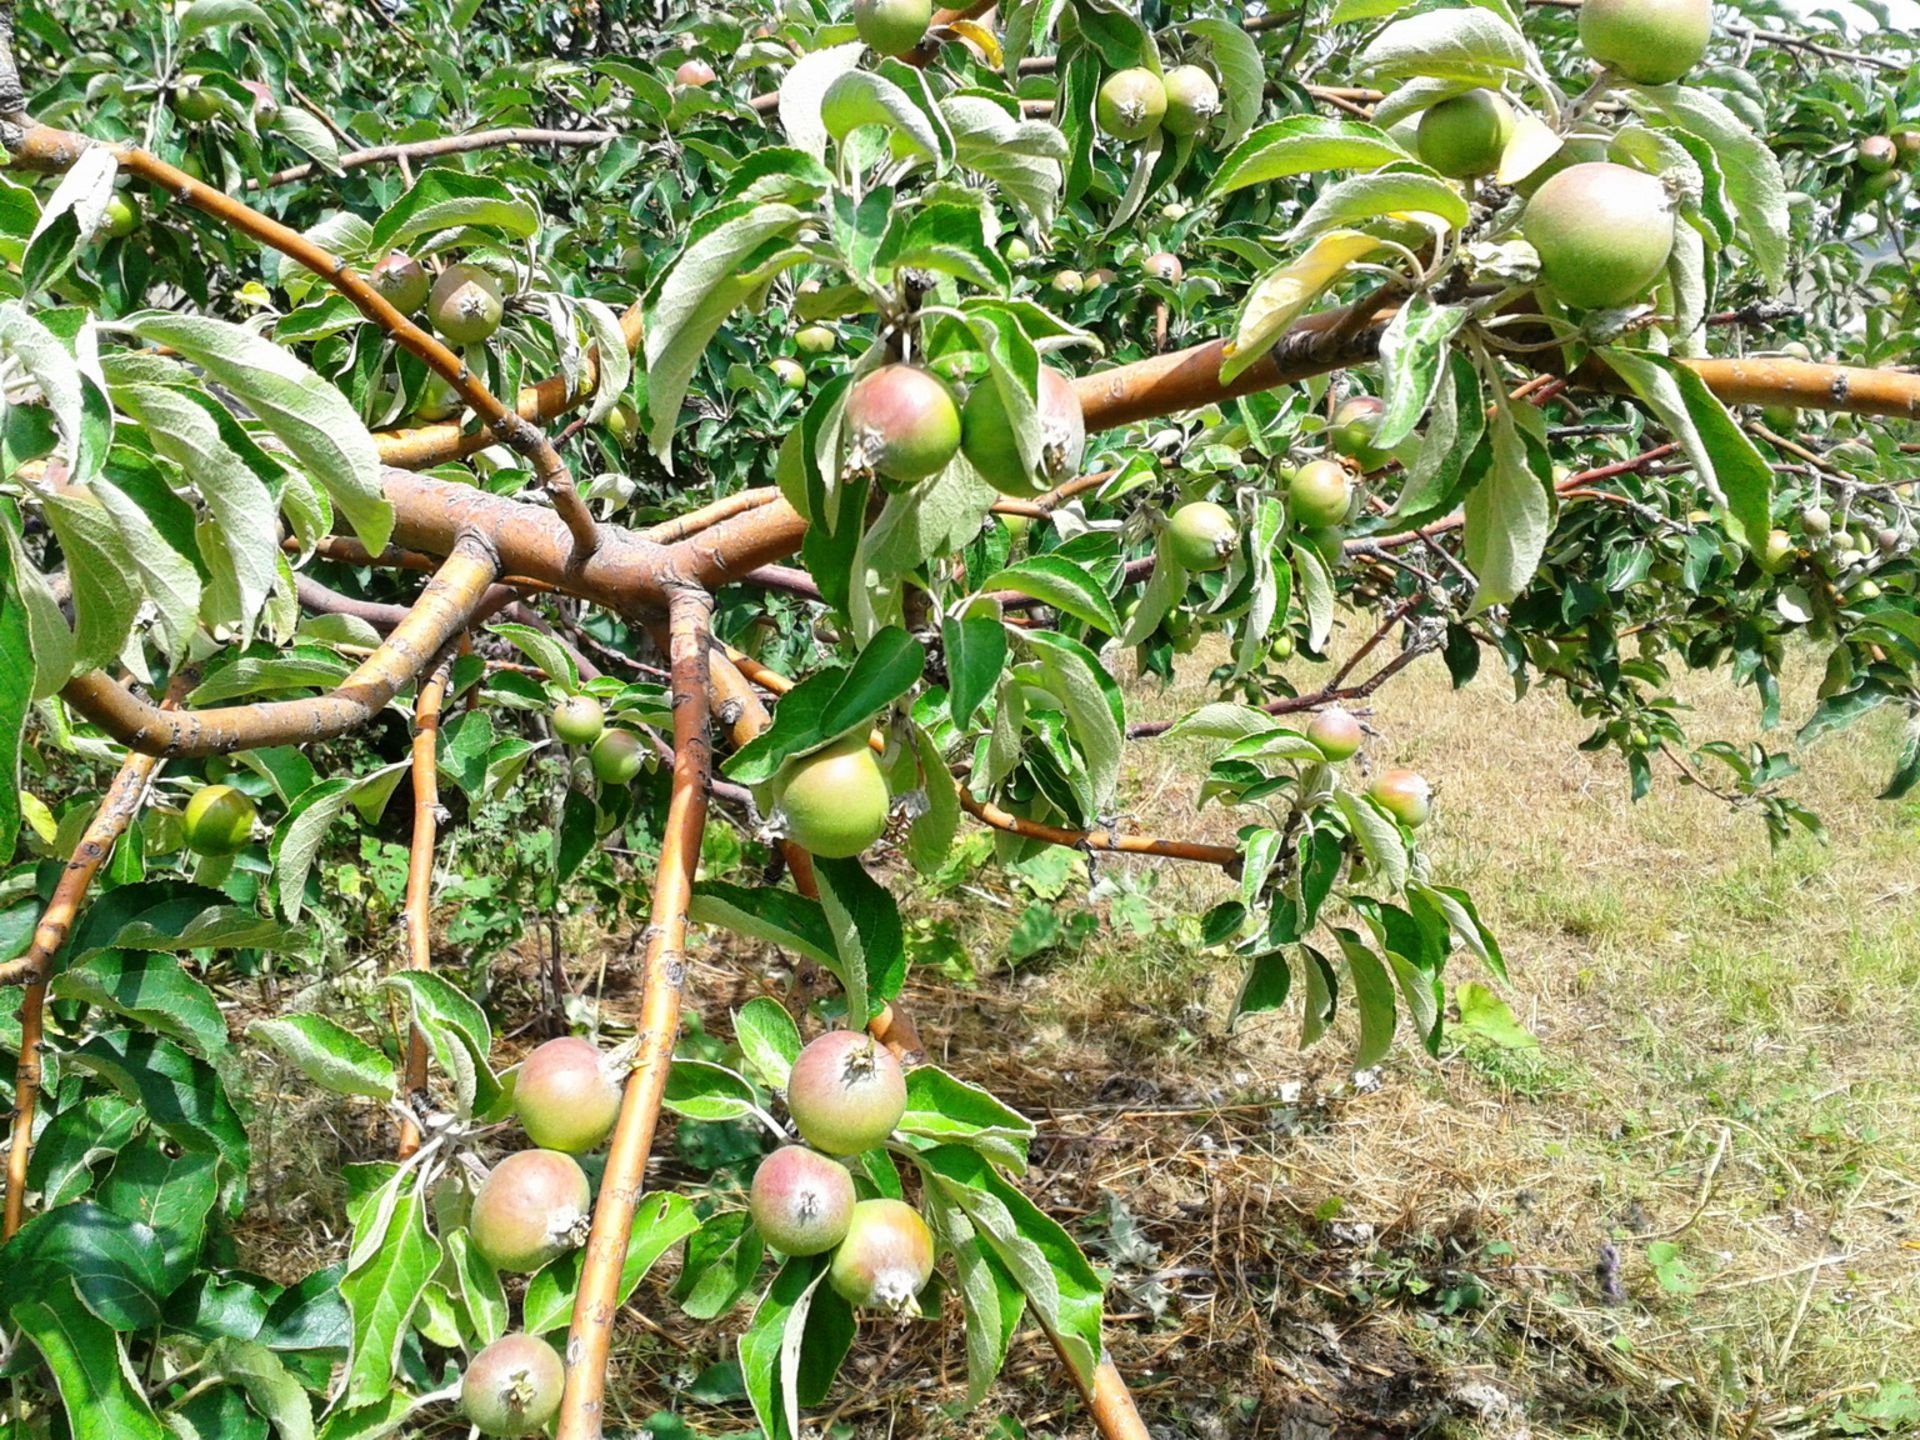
{"x": 1694, "y": 1208}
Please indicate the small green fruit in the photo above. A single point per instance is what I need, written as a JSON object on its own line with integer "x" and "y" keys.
{"x": 1404, "y": 795}
{"x": 1777, "y": 550}
{"x": 1131, "y": 104}
{"x": 616, "y": 757}
{"x": 533, "y": 1206}
{"x": 1355, "y": 422}
{"x": 1335, "y": 733}
{"x": 1164, "y": 265}
{"x": 835, "y": 801}
{"x": 1016, "y": 251}
{"x": 987, "y": 437}
{"x": 401, "y": 281}
{"x": 1653, "y": 42}
{"x": 694, "y": 74}
{"x": 1193, "y": 99}
{"x": 846, "y": 1092}
{"x": 578, "y": 720}
{"x": 121, "y": 217}
{"x": 623, "y": 422}
{"x": 901, "y": 423}
{"x": 1877, "y": 154}
{"x": 1816, "y": 522}
{"x": 1068, "y": 282}
{"x": 1201, "y": 536}
{"x": 790, "y": 373}
{"x": 1603, "y": 233}
{"x": 1465, "y": 136}
{"x": 513, "y": 1386}
{"x": 195, "y": 103}
{"x": 886, "y": 1259}
{"x": 801, "y": 1202}
{"x": 1319, "y": 495}
{"x": 438, "y": 400}
{"x": 465, "y": 304}
{"x": 219, "y": 821}
{"x": 566, "y": 1096}
{"x": 892, "y": 27}
{"x": 814, "y": 340}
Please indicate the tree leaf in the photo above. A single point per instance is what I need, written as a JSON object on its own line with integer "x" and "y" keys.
{"x": 1509, "y": 515}
{"x": 1281, "y": 296}
{"x": 769, "y": 1040}
{"x": 328, "y": 1055}
{"x": 1060, "y": 583}
{"x": 660, "y": 1222}
{"x": 381, "y": 1295}
{"x": 1372, "y": 997}
{"x": 1465, "y": 44}
{"x": 90, "y": 1369}
{"x": 1413, "y": 356}
{"x": 779, "y": 917}
{"x": 1303, "y": 145}
{"x": 976, "y": 653}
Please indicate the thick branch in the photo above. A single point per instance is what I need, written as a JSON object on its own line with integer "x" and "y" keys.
{"x": 419, "y": 906}
{"x": 663, "y": 976}
{"x": 444, "y": 609}
{"x": 121, "y": 803}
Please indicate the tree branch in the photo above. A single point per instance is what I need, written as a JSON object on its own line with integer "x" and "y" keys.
{"x": 419, "y": 903}
{"x": 444, "y": 145}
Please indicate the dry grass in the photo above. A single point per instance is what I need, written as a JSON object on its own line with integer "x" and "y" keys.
{"x": 1727, "y": 1066}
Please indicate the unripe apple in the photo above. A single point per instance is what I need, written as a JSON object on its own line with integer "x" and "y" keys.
{"x": 533, "y": 1206}
{"x": 623, "y": 422}
{"x": 616, "y": 757}
{"x": 1068, "y": 282}
{"x": 833, "y": 803}
{"x": 513, "y": 1386}
{"x": 219, "y": 821}
{"x": 886, "y": 1259}
{"x": 1404, "y": 795}
{"x": 1016, "y": 251}
{"x": 566, "y": 1096}
{"x": 814, "y": 339}
{"x": 1653, "y": 42}
{"x": 401, "y": 281}
{"x": 1907, "y": 144}
{"x": 578, "y": 720}
{"x": 1355, "y": 422}
{"x": 1131, "y": 104}
{"x": 1465, "y": 136}
{"x": 1193, "y": 99}
{"x": 1777, "y": 550}
{"x": 264, "y": 103}
{"x": 1603, "y": 233}
{"x": 438, "y": 400}
{"x": 195, "y": 103}
{"x": 121, "y": 217}
{"x": 465, "y": 304}
{"x": 790, "y": 373}
{"x": 986, "y": 435}
{"x": 1877, "y": 154}
{"x": 1335, "y": 733}
{"x": 1098, "y": 278}
{"x": 901, "y": 423}
{"x": 1173, "y": 212}
{"x": 1164, "y": 265}
{"x": 892, "y": 27}
{"x": 801, "y": 1201}
{"x": 1320, "y": 494}
{"x": 1796, "y": 350}
{"x": 1779, "y": 417}
{"x": 694, "y": 74}
{"x": 846, "y": 1092}
{"x": 1201, "y": 535}
{"x": 1864, "y": 591}
{"x": 1816, "y": 522}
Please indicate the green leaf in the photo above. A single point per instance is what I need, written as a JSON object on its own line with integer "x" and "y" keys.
{"x": 1314, "y": 583}
{"x": 1722, "y": 455}
{"x": 90, "y": 1368}
{"x": 167, "y": 570}
{"x": 1466, "y": 44}
{"x": 993, "y": 1302}
{"x": 702, "y": 1090}
{"x": 331, "y": 1057}
{"x": 1372, "y": 997}
{"x": 310, "y": 417}
{"x": 1509, "y": 516}
{"x": 1413, "y": 356}
{"x": 445, "y": 199}
{"x": 105, "y": 601}
{"x": 1242, "y": 77}
{"x": 1282, "y": 295}
{"x": 659, "y": 1223}
{"x": 768, "y": 1039}
{"x": 457, "y": 1034}
{"x": 862, "y": 97}
{"x": 152, "y": 990}
{"x": 116, "y": 1266}
{"x": 270, "y": 1386}
{"x": 477, "y": 1285}
{"x": 182, "y": 1096}
{"x": 297, "y": 839}
{"x": 792, "y": 1350}
{"x": 16, "y": 699}
{"x": 51, "y": 366}
{"x": 1485, "y": 1016}
{"x": 381, "y": 1295}
{"x": 205, "y": 15}
{"x": 172, "y": 1194}
{"x": 309, "y": 134}
{"x": 930, "y": 838}
{"x": 75, "y": 1140}
{"x": 976, "y": 652}
{"x": 1268, "y": 980}
{"x": 871, "y": 958}
{"x": 1755, "y": 185}
{"x": 779, "y": 917}
{"x": 832, "y": 703}
{"x": 1221, "y": 720}
{"x": 1387, "y": 192}
{"x": 1060, "y": 583}
{"x": 1303, "y": 145}
{"x": 1091, "y": 700}
{"x": 544, "y": 651}
{"x": 48, "y": 635}
{"x": 945, "y": 1109}
{"x": 722, "y": 1261}
{"x": 1024, "y": 158}
{"x": 1378, "y": 835}
{"x": 805, "y": 87}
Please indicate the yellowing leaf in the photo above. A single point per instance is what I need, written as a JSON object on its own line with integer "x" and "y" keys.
{"x": 1530, "y": 146}
{"x": 981, "y": 39}
{"x": 1282, "y": 295}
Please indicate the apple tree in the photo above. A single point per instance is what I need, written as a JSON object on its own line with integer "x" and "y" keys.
{"x": 715, "y": 462}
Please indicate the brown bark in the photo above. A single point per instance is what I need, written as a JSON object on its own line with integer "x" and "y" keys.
{"x": 663, "y": 976}
{"x": 444, "y": 145}
{"x": 419, "y": 904}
